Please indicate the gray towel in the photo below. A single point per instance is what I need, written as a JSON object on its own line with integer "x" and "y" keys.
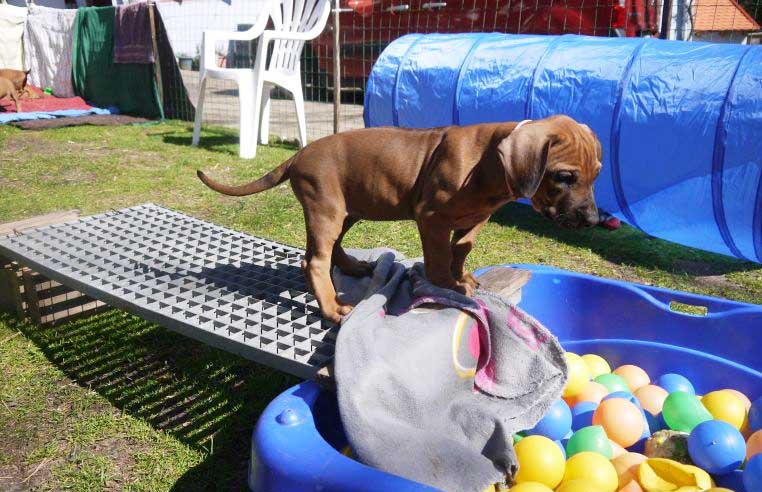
{"x": 432, "y": 385}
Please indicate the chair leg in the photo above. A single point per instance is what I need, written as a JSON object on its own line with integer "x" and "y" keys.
{"x": 299, "y": 103}
{"x": 250, "y": 95}
{"x": 264, "y": 116}
{"x": 199, "y": 111}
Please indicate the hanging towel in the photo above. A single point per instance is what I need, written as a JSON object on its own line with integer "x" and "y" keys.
{"x": 11, "y": 33}
{"x": 431, "y": 384}
{"x": 132, "y": 34}
{"x": 47, "y": 48}
{"x": 130, "y": 87}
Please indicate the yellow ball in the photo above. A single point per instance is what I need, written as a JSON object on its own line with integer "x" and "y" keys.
{"x": 530, "y": 487}
{"x": 578, "y": 486}
{"x": 596, "y": 364}
{"x": 724, "y": 405}
{"x": 579, "y": 374}
{"x": 540, "y": 460}
{"x": 593, "y": 468}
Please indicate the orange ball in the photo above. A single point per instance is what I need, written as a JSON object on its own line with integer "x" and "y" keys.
{"x": 634, "y": 376}
{"x": 631, "y": 486}
{"x": 626, "y": 467}
{"x": 594, "y": 392}
{"x": 616, "y": 450}
{"x": 621, "y": 420}
{"x": 754, "y": 444}
{"x": 651, "y": 398}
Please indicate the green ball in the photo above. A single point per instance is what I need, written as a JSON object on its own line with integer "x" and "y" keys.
{"x": 612, "y": 382}
{"x": 683, "y": 411}
{"x": 517, "y": 437}
{"x": 592, "y": 438}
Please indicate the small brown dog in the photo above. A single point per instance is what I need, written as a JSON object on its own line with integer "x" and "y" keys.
{"x": 7, "y": 89}
{"x": 17, "y": 77}
{"x": 449, "y": 180}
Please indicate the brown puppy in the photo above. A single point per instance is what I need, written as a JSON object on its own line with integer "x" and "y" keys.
{"x": 449, "y": 180}
{"x": 18, "y": 77}
{"x": 7, "y": 89}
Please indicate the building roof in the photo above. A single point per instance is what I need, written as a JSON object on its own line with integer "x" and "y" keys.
{"x": 722, "y": 15}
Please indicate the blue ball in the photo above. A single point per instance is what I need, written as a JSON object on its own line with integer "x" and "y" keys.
{"x": 755, "y": 415}
{"x": 717, "y": 447}
{"x": 674, "y": 382}
{"x": 732, "y": 481}
{"x": 555, "y": 424}
{"x": 582, "y": 414}
{"x": 752, "y": 474}
{"x": 623, "y": 394}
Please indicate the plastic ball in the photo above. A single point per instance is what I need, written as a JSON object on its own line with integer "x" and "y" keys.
{"x": 589, "y": 439}
{"x": 682, "y": 411}
{"x": 623, "y": 394}
{"x": 596, "y": 364}
{"x": 672, "y": 382}
{"x": 579, "y": 374}
{"x": 651, "y": 398}
{"x": 631, "y": 486}
{"x": 744, "y": 398}
{"x": 518, "y": 437}
{"x": 612, "y": 382}
{"x": 578, "y": 486}
{"x": 582, "y": 414}
{"x": 616, "y": 449}
{"x": 724, "y": 405}
{"x": 732, "y": 481}
{"x": 752, "y": 474}
{"x": 593, "y": 468}
{"x": 594, "y": 392}
{"x": 626, "y": 467}
{"x": 716, "y": 446}
{"x": 562, "y": 447}
{"x": 621, "y": 419}
{"x": 755, "y": 415}
{"x": 634, "y": 376}
{"x": 754, "y": 444}
{"x": 717, "y": 489}
{"x": 530, "y": 487}
{"x": 556, "y": 422}
{"x": 540, "y": 460}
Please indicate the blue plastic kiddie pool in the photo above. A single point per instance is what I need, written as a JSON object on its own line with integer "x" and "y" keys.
{"x": 296, "y": 443}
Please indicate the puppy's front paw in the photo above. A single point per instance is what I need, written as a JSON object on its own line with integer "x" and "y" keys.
{"x": 464, "y": 288}
{"x": 469, "y": 279}
{"x": 335, "y": 312}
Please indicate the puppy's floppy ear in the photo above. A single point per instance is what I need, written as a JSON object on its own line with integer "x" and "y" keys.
{"x": 524, "y": 155}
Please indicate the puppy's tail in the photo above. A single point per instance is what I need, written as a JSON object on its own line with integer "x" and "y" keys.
{"x": 273, "y": 178}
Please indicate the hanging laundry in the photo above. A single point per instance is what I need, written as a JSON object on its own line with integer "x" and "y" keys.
{"x": 130, "y": 87}
{"x": 47, "y": 48}
{"x": 132, "y": 34}
{"x": 11, "y": 32}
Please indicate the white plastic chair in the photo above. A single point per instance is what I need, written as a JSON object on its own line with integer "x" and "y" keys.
{"x": 294, "y": 22}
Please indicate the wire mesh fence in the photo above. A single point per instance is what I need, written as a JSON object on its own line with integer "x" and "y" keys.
{"x": 366, "y": 27}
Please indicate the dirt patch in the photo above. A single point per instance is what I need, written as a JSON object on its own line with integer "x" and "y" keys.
{"x": 710, "y": 275}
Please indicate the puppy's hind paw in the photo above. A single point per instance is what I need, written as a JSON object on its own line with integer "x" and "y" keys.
{"x": 464, "y": 288}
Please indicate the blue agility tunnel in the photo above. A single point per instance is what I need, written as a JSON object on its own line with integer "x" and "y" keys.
{"x": 680, "y": 123}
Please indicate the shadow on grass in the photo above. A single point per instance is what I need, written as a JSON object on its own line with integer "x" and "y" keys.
{"x": 206, "y": 398}
{"x": 214, "y": 139}
{"x": 626, "y": 245}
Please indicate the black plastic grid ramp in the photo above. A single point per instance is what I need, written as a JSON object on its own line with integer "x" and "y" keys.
{"x": 239, "y": 293}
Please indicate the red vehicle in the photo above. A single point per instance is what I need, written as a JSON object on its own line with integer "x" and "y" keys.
{"x": 367, "y": 26}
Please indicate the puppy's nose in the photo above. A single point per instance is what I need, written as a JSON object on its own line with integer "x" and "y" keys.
{"x": 588, "y": 216}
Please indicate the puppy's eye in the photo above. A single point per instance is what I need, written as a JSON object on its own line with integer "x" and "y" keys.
{"x": 566, "y": 177}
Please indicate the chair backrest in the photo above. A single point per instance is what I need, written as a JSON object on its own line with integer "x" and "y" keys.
{"x": 294, "y": 16}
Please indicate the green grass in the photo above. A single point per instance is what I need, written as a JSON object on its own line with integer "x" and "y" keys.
{"x": 111, "y": 402}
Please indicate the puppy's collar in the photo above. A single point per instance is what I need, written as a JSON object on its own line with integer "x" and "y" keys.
{"x": 521, "y": 124}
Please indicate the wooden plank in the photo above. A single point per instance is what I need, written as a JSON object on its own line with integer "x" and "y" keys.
{"x": 32, "y": 302}
{"x": 39, "y": 221}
